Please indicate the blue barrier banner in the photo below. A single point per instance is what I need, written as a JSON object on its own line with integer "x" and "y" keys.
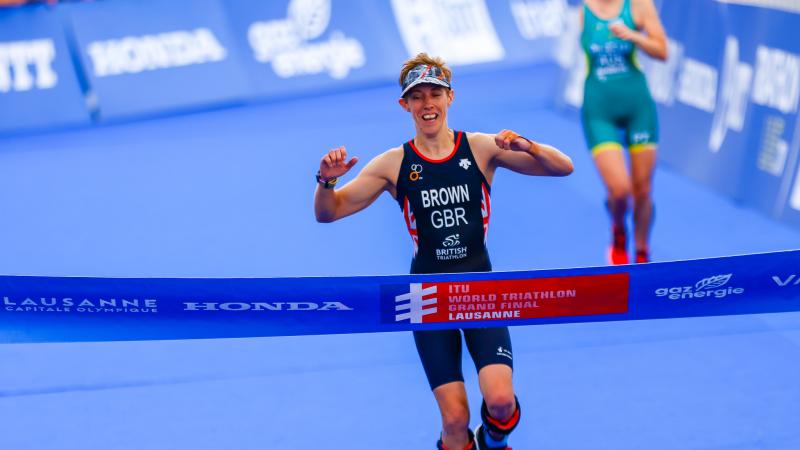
{"x": 480, "y": 35}
{"x": 38, "y": 85}
{"x": 295, "y": 46}
{"x": 731, "y": 88}
{"x": 728, "y": 97}
{"x": 773, "y": 117}
{"x": 292, "y": 47}
{"x": 138, "y": 58}
{"x": 695, "y": 112}
{"x": 155, "y": 56}
{"x": 42, "y": 309}
{"x": 528, "y": 29}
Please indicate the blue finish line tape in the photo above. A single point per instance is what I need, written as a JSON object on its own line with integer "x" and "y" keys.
{"x": 69, "y": 309}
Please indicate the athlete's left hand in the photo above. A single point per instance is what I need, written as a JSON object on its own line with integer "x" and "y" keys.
{"x": 509, "y": 140}
{"x": 622, "y": 31}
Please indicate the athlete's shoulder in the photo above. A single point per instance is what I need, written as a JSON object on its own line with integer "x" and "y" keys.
{"x": 393, "y": 156}
{"x": 478, "y": 137}
{"x": 481, "y": 142}
{"x": 387, "y": 163}
{"x": 641, "y": 6}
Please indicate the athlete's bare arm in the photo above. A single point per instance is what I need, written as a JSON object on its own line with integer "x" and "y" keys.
{"x": 651, "y": 39}
{"x": 509, "y": 150}
{"x": 377, "y": 176}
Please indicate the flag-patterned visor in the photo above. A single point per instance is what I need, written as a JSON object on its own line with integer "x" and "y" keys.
{"x": 423, "y": 74}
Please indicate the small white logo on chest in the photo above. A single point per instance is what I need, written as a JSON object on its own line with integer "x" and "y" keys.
{"x": 465, "y": 163}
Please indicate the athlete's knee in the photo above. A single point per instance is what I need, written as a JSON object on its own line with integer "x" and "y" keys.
{"x": 501, "y": 425}
{"x": 455, "y": 419}
{"x": 500, "y": 405}
{"x": 618, "y": 192}
{"x": 642, "y": 191}
{"x": 618, "y": 195}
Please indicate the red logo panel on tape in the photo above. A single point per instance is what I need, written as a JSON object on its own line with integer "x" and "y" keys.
{"x": 514, "y": 299}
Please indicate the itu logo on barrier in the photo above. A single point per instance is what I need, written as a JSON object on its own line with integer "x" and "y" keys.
{"x": 412, "y": 306}
{"x": 408, "y": 303}
{"x": 715, "y": 286}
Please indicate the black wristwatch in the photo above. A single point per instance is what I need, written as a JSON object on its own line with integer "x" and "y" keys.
{"x": 326, "y": 183}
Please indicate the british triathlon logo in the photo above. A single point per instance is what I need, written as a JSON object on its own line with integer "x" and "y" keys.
{"x": 711, "y": 287}
{"x": 451, "y": 241}
{"x": 418, "y": 302}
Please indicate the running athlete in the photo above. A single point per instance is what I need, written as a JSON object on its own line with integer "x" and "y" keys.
{"x": 616, "y": 99}
{"x": 441, "y": 179}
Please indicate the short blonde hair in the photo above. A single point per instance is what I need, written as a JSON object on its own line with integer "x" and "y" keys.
{"x": 425, "y": 59}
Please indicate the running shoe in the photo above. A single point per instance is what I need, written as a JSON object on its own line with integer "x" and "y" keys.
{"x": 618, "y": 253}
{"x": 480, "y": 441}
{"x": 642, "y": 256}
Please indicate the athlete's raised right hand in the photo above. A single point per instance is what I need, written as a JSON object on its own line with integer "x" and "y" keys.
{"x": 334, "y": 163}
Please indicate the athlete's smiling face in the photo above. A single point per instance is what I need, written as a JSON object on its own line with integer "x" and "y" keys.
{"x": 428, "y": 105}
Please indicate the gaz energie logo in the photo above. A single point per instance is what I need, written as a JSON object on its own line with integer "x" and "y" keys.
{"x": 712, "y": 287}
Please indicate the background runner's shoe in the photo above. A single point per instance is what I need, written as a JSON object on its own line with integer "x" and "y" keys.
{"x": 618, "y": 253}
{"x": 480, "y": 441}
{"x": 642, "y": 256}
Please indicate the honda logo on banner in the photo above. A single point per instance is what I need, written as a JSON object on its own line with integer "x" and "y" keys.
{"x": 135, "y": 54}
{"x": 415, "y": 304}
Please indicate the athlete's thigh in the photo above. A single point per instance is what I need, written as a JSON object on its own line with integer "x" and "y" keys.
{"x": 440, "y": 354}
{"x": 613, "y": 170}
{"x": 641, "y": 132}
{"x": 599, "y": 130}
{"x": 489, "y": 346}
{"x": 643, "y": 164}
{"x": 496, "y": 381}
